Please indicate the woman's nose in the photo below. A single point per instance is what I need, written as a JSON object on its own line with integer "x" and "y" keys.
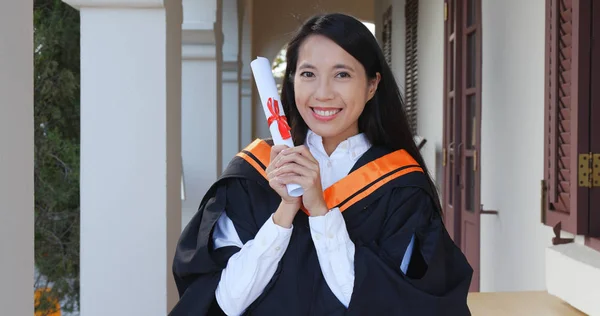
{"x": 324, "y": 91}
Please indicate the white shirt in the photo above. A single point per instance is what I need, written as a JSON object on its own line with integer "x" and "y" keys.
{"x": 249, "y": 271}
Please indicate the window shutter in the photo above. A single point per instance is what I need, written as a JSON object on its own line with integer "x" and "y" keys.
{"x": 566, "y": 101}
{"x": 595, "y": 128}
{"x": 386, "y": 35}
{"x": 411, "y": 62}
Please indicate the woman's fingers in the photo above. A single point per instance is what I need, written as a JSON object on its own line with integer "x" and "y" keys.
{"x": 275, "y": 150}
{"x": 302, "y": 150}
{"x": 293, "y": 169}
{"x": 298, "y": 159}
{"x": 276, "y": 173}
{"x": 303, "y": 181}
{"x": 275, "y": 155}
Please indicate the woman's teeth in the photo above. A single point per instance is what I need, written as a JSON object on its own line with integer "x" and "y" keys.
{"x": 327, "y": 113}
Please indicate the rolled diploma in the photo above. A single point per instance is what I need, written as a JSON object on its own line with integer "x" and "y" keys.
{"x": 265, "y": 83}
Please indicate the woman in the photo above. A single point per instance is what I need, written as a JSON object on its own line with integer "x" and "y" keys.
{"x": 366, "y": 238}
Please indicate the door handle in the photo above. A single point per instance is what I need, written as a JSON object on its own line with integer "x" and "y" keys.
{"x": 487, "y": 212}
{"x": 445, "y": 153}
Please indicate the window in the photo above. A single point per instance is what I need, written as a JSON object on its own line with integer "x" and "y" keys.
{"x": 571, "y": 184}
{"x": 411, "y": 11}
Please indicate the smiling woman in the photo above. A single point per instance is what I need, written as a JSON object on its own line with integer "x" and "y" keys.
{"x": 366, "y": 238}
{"x": 331, "y": 90}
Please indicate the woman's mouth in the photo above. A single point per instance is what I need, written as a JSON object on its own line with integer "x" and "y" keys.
{"x": 325, "y": 114}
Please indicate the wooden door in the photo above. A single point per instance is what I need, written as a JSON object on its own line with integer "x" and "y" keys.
{"x": 462, "y": 127}
{"x": 594, "y": 214}
{"x": 452, "y": 133}
{"x": 470, "y": 129}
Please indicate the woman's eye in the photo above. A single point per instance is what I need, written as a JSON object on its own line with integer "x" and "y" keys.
{"x": 343, "y": 75}
{"x": 307, "y": 74}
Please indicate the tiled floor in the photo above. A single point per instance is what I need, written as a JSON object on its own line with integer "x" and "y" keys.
{"x": 519, "y": 303}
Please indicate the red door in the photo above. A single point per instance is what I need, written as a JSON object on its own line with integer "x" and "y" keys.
{"x": 462, "y": 126}
{"x": 594, "y": 136}
{"x": 452, "y": 132}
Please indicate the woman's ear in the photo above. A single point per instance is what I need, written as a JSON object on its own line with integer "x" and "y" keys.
{"x": 373, "y": 84}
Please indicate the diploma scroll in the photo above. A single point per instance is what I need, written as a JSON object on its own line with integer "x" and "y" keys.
{"x": 271, "y": 103}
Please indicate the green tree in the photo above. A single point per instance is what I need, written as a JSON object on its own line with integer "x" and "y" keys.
{"x": 56, "y": 165}
{"x": 278, "y": 67}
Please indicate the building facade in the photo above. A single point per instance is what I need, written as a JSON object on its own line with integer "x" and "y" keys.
{"x": 502, "y": 92}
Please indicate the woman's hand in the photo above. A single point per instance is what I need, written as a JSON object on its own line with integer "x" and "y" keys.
{"x": 297, "y": 165}
{"x": 289, "y": 206}
{"x": 274, "y": 176}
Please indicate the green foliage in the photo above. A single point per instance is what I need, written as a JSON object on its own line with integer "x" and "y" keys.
{"x": 278, "y": 67}
{"x": 279, "y": 64}
{"x": 56, "y": 117}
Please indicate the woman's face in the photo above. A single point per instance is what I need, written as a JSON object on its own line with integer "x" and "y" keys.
{"x": 331, "y": 88}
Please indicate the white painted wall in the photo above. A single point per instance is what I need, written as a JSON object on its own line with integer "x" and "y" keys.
{"x": 246, "y": 75}
{"x": 513, "y": 243}
{"x": 398, "y": 34}
{"x": 230, "y": 125}
{"x": 200, "y": 86}
{"x": 579, "y": 287}
{"x": 430, "y": 85}
{"x": 130, "y": 156}
{"x": 430, "y": 38}
{"x": 16, "y": 157}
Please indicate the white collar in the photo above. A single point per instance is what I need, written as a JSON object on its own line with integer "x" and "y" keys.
{"x": 355, "y": 146}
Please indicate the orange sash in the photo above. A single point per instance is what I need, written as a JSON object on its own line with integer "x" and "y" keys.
{"x": 353, "y": 187}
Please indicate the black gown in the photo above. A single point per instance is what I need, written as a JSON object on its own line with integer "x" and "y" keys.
{"x": 385, "y": 199}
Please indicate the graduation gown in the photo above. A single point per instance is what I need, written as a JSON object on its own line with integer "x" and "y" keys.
{"x": 384, "y": 200}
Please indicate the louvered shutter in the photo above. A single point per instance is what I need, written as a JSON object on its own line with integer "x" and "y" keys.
{"x": 386, "y": 35}
{"x": 565, "y": 105}
{"x": 411, "y": 63}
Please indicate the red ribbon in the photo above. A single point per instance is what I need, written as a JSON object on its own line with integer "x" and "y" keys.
{"x": 284, "y": 128}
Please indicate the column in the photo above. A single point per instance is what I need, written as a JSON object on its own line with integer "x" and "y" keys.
{"x": 246, "y": 76}
{"x": 16, "y": 157}
{"x": 230, "y": 80}
{"x": 201, "y": 123}
{"x": 130, "y": 154}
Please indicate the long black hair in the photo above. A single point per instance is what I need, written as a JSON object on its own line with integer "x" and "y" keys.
{"x": 383, "y": 119}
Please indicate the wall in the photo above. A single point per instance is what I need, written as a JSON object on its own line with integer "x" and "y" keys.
{"x": 430, "y": 48}
{"x": 246, "y": 75}
{"x": 201, "y": 72}
{"x": 16, "y": 157}
{"x": 579, "y": 287}
{"x": 513, "y": 243}
{"x": 274, "y": 22}
{"x": 430, "y": 38}
{"x": 398, "y": 34}
{"x": 131, "y": 149}
{"x": 230, "y": 88}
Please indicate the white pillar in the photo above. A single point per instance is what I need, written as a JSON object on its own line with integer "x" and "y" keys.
{"x": 231, "y": 88}
{"x": 246, "y": 76}
{"x": 130, "y": 154}
{"x": 201, "y": 77}
{"x": 16, "y": 157}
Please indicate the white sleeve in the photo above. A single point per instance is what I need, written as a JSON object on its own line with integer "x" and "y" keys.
{"x": 336, "y": 251}
{"x": 249, "y": 271}
{"x": 407, "y": 255}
